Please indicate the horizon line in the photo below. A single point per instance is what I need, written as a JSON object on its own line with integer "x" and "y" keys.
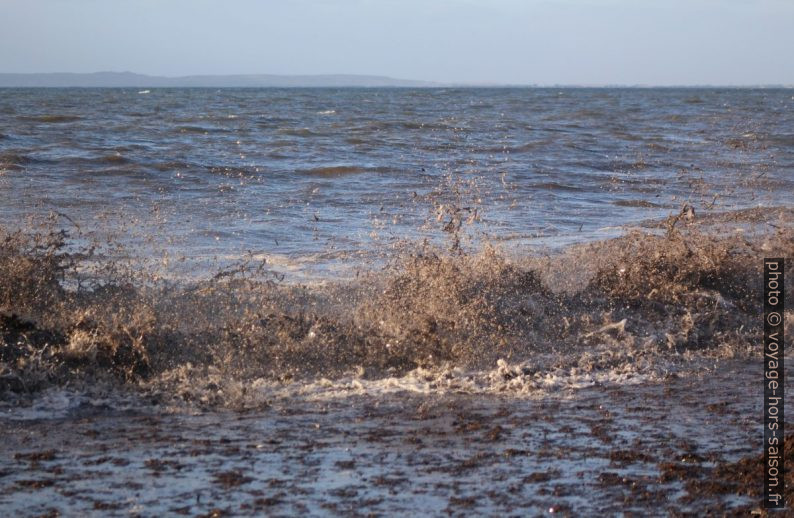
{"x": 417, "y": 83}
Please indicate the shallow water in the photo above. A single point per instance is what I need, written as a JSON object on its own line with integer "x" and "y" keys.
{"x": 595, "y": 451}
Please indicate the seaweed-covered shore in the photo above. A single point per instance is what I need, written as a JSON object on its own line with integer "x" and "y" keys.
{"x": 682, "y": 446}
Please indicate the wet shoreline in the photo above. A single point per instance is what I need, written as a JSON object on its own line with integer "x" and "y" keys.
{"x": 604, "y": 449}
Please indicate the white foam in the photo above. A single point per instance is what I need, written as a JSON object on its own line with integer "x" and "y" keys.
{"x": 516, "y": 380}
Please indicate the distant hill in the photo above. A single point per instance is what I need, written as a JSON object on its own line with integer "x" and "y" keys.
{"x": 129, "y": 79}
{"x": 132, "y": 80}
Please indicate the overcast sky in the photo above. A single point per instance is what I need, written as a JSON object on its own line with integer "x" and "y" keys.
{"x": 659, "y": 42}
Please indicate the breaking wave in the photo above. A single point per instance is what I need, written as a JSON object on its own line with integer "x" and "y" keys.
{"x": 436, "y": 319}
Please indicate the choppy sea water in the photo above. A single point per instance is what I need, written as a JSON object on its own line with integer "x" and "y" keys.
{"x": 475, "y": 262}
{"x": 320, "y": 179}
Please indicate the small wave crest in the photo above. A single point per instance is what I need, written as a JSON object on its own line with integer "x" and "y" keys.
{"x": 555, "y": 186}
{"x": 645, "y": 204}
{"x": 199, "y": 130}
{"x": 51, "y": 118}
{"x": 299, "y": 132}
{"x": 336, "y": 170}
{"x": 11, "y": 160}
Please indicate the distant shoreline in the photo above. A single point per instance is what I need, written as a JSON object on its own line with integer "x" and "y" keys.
{"x": 132, "y": 80}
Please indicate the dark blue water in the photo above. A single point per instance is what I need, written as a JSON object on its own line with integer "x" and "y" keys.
{"x": 329, "y": 177}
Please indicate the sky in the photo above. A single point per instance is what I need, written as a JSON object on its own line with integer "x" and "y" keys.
{"x": 595, "y": 42}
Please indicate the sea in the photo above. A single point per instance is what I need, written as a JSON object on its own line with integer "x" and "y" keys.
{"x": 318, "y": 180}
{"x": 366, "y": 301}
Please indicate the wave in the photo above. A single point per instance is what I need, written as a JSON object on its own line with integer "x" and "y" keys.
{"x": 14, "y": 161}
{"x": 478, "y": 320}
{"x": 300, "y": 132}
{"x": 338, "y": 170}
{"x": 53, "y": 118}
{"x": 554, "y": 186}
{"x": 639, "y": 203}
{"x": 115, "y": 158}
{"x": 170, "y": 165}
{"x": 233, "y": 171}
{"x": 200, "y": 130}
{"x": 517, "y": 149}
